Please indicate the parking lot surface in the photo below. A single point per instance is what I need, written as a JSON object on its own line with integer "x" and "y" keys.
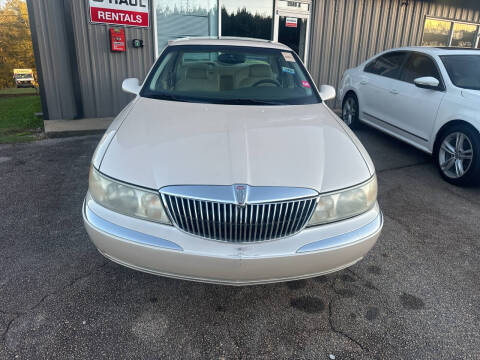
{"x": 416, "y": 294}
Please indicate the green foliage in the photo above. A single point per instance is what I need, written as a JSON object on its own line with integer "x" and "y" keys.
{"x": 18, "y": 122}
{"x": 16, "y": 49}
{"x": 17, "y": 137}
{"x": 244, "y": 23}
{"x": 15, "y": 91}
{"x": 18, "y": 113}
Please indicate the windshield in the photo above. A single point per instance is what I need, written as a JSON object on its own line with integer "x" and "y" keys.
{"x": 230, "y": 75}
{"x": 464, "y": 70}
{"x": 23, "y": 76}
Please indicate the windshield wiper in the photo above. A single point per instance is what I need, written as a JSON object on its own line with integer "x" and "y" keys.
{"x": 253, "y": 102}
{"x": 172, "y": 97}
{"x": 166, "y": 97}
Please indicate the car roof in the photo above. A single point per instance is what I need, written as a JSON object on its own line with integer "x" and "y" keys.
{"x": 229, "y": 41}
{"x": 439, "y": 50}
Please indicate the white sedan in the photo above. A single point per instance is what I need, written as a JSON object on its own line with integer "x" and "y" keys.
{"x": 427, "y": 97}
{"x": 228, "y": 167}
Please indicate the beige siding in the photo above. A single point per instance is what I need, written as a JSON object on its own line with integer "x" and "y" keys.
{"x": 47, "y": 23}
{"x": 347, "y": 32}
{"x": 81, "y": 77}
{"x": 101, "y": 72}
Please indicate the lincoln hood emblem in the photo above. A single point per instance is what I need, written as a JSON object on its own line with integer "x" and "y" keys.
{"x": 241, "y": 192}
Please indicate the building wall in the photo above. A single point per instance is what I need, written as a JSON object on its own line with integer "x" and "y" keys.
{"x": 81, "y": 77}
{"x": 347, "y": 32}
{"x": 101, "y": 71}
{"x": 50, "y": 39}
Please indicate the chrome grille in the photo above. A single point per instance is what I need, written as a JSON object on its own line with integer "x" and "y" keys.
{"x": 233, "y": 223}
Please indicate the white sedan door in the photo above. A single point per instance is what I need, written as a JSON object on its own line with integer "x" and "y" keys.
{"x": 375, "y": 86}
{"x": 414, "y": 109}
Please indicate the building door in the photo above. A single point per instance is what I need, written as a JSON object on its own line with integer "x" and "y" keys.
{"x": 292, "y": 25}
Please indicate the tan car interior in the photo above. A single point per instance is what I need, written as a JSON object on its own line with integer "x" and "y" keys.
{"x": 214, "y": 77}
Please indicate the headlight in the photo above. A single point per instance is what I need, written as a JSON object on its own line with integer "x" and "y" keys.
{"x": 345, "y": 204}
{"x": 126, "y": 199}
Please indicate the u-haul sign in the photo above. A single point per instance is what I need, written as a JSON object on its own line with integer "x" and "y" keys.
{"x": 120, "y": 12}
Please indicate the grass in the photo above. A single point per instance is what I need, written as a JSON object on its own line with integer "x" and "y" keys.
{"x": 18, "y": 122}
{"x": 15, "y": 91}
{"x": 17, "y": 138}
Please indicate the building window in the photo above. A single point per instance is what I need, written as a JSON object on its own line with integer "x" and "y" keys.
{"x": 438, "y": 32}
{"x": 183, "y": 18}
{"x": 247, "y": 18}
{"x": 464, "y": 35}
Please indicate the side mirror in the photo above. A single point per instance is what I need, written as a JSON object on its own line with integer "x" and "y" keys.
{"x": 427, "y": 82}
{"x": 327, "y": 92}
{"x": 131, "y": 85}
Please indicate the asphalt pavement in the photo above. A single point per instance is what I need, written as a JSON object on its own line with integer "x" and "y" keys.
{"x": 416, "y": 294}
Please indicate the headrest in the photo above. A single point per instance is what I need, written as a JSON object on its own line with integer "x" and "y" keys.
{"x": 260, "y": 70}
{"x": 197, "y": 73}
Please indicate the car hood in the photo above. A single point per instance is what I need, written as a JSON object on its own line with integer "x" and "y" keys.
{"x": 164, "y": 143}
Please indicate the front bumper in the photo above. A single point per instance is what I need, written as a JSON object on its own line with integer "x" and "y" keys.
{"x": 24, "y": 85}
{"x": 166, "y": 251}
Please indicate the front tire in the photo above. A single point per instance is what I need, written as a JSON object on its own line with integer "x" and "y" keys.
{"x": 458, "y": 155}
{"x": 350, "y": 111}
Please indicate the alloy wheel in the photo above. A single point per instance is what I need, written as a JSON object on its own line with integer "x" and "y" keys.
{"x": 455, "y": 155}
{"x": 349, "y": 111}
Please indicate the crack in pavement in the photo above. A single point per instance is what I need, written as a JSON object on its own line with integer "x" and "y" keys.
{"x": 234, "y": 339}
{"x": 15, "y": 313}
{"x": 4, "y": 335}
{"x": 403, "y": 167}
{"x": 363, "y": 279}
{"x": 340, "y": 332}
{"x": 330, "y": 316}
{"x": 20, "y": 314}
{"x": 470, "y": 199}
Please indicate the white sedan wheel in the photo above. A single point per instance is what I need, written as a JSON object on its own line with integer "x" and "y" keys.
{"x": 455, "y": 155}
{"x": 350, "y": 111}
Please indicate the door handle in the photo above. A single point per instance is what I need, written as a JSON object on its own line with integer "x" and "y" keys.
{"x": 394, "y": 92}
{"x": 364, "y": 82}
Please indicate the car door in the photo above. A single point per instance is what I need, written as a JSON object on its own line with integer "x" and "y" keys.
{"x": 376, "y": 82}
{"x": 414, "y": 109}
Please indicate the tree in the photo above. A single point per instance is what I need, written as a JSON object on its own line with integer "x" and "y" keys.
{"x": 243, "y": 23}
{"x": 16, "y": 50}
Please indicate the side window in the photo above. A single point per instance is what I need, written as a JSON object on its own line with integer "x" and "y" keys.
{"x": 370, "y": 67}
{"x": 387, "y": 65}
{"x": 417, "y": 66}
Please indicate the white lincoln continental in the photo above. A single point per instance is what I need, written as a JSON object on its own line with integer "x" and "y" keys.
{"x": 229, "y": 168}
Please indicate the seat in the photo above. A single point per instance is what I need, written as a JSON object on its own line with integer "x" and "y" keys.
{"x": 197, "y": 78}
{"x": 256, "y": 73}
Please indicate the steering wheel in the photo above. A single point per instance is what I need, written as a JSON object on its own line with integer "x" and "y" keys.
{"x": 267, "y": 81}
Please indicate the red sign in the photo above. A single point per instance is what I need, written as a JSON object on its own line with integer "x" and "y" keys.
{"x": 117, "y": 39}
{"x": 291, "y": 22}
{"x": 120, "y": 12}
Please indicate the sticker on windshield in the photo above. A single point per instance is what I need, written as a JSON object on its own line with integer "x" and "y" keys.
{"x": 306, "y": 84}
{"x": 288, "y": 70}
{"x": 288, "y": 57}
